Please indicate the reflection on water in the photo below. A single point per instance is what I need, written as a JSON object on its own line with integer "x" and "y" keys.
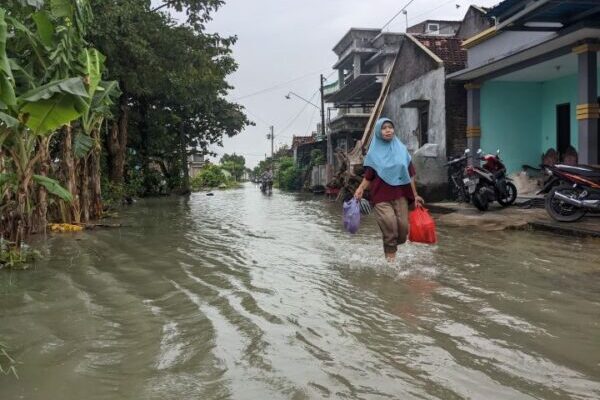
{"x": 241, "y": 296}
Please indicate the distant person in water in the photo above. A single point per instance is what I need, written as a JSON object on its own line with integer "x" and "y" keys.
{"x": 389, "y": 177}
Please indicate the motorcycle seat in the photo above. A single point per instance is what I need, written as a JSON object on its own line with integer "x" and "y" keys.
{"x": 583, "y": 170}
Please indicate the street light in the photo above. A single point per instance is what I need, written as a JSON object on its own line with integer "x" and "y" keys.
{"x": 290, "y": 94}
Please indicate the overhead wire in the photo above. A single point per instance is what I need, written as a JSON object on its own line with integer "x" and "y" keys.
{"x": 398, "y": 13}
{"x": 279, "y": 85}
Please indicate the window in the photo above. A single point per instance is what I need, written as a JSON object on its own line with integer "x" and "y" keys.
{"x": 433, "y": 28}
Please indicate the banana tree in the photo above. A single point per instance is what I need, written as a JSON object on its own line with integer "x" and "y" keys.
{"x": 87, "y": 143}
{"x": 25, "y": 117}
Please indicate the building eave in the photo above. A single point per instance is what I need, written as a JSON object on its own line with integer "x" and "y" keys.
{"x": 480, "y": 37}
{"x": 555, "y": 45}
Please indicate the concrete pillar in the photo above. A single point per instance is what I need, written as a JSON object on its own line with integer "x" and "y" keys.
{"x": 473, "y": 116}
{"x": 340, "y": 78}
{"x": 588, "y": 110}
{"x": 357, "y": 65}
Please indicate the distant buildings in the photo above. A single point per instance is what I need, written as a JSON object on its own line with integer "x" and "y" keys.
{"x": 195, "y": 164}
{"x": 429, "y": 112}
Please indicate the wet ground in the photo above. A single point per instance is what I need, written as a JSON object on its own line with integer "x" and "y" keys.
{"x": 241, "y": 296}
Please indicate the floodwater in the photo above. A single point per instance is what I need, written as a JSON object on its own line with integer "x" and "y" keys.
{"x": 242, "y": 296}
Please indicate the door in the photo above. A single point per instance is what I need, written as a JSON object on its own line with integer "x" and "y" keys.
{"x": 423, "y": 126}
{"x": 563, "y": 128}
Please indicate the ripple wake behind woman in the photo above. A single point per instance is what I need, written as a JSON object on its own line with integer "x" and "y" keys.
{"x": 390, "y": 179}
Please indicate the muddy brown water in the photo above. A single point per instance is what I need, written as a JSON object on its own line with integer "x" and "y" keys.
{"x": 241, "y": 296}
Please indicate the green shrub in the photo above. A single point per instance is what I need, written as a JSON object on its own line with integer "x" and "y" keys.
{"x": 211, "y": 176}
{"x": 289, "y": 177}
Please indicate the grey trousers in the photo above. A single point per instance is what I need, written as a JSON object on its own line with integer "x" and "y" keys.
{"x": 392, "y": 218}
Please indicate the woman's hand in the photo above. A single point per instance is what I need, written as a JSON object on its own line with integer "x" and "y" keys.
{"x": 359, "y": 193}
{"x": 419, "y": 200}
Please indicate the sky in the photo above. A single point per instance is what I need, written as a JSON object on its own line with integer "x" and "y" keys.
{"x": 284, "y": 45}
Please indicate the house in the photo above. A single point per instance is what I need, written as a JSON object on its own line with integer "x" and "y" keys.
{"x": 195, "y": 163}
{"x": 532, "y": 81}
{"x": 301, "y": 149}
{"x": 364, "y": 57}
{"x": 430, "y": 112}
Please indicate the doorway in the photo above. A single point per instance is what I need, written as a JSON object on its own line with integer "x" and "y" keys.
{"x": 563, "y": 128}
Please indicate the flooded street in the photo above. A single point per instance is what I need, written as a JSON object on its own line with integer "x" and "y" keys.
{"x": 242, "y": 296}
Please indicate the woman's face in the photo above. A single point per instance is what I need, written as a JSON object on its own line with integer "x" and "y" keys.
{"x": 387, "y": 131}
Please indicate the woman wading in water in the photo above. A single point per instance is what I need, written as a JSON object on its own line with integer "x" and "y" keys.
{"x": 389, "y": 176}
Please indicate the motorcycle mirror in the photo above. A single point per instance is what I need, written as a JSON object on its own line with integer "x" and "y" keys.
{"x": 467, "y": 151}
{"x": 498, "y": 151}
{"x": 479, "y": 151}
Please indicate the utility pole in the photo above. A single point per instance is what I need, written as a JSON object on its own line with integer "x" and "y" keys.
{"x": 272, "y": 137}
{"x": 329, "y": 166}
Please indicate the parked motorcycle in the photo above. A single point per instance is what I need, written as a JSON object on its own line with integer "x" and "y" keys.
{"x": 489, "y": 182}
{"x": 458, "y": 181}
{"x": 573, "y": 191}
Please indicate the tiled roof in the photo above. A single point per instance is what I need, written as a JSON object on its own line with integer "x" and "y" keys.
{"x": 300, "y": 140}
{"x": 449, "y": 49}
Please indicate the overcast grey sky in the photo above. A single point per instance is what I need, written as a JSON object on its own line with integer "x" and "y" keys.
{"x": 281, "y": 40}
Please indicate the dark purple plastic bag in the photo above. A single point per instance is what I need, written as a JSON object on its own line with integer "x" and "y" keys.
{"x": 351, "y": 215}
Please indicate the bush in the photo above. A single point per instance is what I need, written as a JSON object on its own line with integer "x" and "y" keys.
{"x": 289, "y": 177}
{"x": 210, "y": 176}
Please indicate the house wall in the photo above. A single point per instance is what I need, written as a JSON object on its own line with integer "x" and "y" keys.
{"x": 559, "y": 91}
{"x": 474, "y": 22}
{"x": 430, "y": 159}
{"x": 511, "y": 121}
{"x": 503, "y": 44}
{"x": 519, "y": 118}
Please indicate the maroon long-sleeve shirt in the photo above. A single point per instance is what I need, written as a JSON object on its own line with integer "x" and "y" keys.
{"x": 380, "y": 191}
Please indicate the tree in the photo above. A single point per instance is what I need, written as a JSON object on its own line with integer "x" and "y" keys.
{"x": 236, "y": 165}
{"x": 173, "y": 80}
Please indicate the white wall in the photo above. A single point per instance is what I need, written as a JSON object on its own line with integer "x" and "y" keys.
{"x": 503, "y": 44}
{"x": 430, "y": 159}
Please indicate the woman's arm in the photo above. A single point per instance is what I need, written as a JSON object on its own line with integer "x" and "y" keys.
{"x": 361, "y": 188}
{"x": 418, "y": 199}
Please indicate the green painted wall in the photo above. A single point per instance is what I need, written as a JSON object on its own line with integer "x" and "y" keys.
{"x": 511, "y": 120}
{"x": 519, "y": 118}
{"x": 555, "y": 92}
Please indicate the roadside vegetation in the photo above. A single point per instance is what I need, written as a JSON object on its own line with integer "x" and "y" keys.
{"x": 104, "y": 100}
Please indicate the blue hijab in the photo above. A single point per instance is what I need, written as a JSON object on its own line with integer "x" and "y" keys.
{"x": 389, "y": 159}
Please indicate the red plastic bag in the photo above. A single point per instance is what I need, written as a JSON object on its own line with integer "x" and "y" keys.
{"x": 422, "y": 227}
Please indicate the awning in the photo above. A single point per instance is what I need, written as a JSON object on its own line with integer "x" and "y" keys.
{"x": 556, "y": 46}
{"x": 522, "y": 16}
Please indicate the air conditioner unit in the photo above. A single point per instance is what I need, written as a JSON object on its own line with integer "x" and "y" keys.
{"x": 433, "y": 29}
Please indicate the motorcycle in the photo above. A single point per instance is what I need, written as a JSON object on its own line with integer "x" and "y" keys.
{"x": 489, "y": 182}
{"x": 266, "y": 186}
{"x": 573, "y": 191}
{"x": 456, "y": 171}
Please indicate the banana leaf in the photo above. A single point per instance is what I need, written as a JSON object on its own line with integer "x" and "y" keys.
{"x": 7, "y": 90}
{"x": 61, "y": 8}
{"x": 82, "y": 144}
{"x": 8, "y": 121}
{"x": 72, "y": 86}
{"x": 53, "y": 187}
{"x": 45, "y": 28}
